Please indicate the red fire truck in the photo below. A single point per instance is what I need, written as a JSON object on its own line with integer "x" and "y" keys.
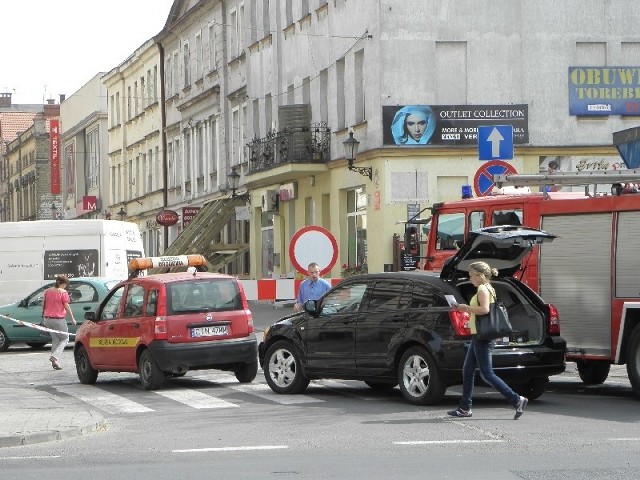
{"x": 591, "y": 272}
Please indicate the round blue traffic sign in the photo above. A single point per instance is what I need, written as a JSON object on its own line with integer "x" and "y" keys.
{"x": 483, "y": 180}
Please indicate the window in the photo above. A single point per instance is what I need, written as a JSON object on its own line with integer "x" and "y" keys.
{"x": 199, "y": 151}
{"x": 129, "y": 106}
{"x": 152, "y": 303}
{"x": 450, "y": 231}
{"x": 169, "y": 75}
{"x": 233, "y": 33}
{"x": 340, "y": 108}
{"x": 93, "y": 157}
{"x": 111, "y": 309}
{"x": 143, "y": 93}
{"x": 133, "y": 305}
{"x": 359, "y": 94}
{"x": 424, "y": 297}
{"x": 212, "y": 48}
{"x": 357, "y": 226}
{"x": 476, "y": 220}
{"x": 344, "y": 299}
{"x": 186, "y": 63}
{"x": 507, "y": 217}
{"x": 198, "y": 56}
{"x": 149, "y": 171}
{"x": 387, "y": 295}
{"x": 266, "y": 18}
{"x": 324, "y": 95}
{"x": 136, "y": 98}
{"x": 117, "y": 108}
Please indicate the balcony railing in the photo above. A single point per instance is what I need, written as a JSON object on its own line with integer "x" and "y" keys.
{"x": 291, "y": 145}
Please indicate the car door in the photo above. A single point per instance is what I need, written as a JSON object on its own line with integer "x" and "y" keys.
{"x": 102, "y": 343}
{"x": 382, "y": 317}
{"x": 330, "y": 338}
{"x": 128, "y": 329}
{"x": 28, "y": 310}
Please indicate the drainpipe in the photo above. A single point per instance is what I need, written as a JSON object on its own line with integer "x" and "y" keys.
{"x": 163, "y": 136}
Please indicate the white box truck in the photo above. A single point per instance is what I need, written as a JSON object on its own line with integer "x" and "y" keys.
{"x": 34, "y": 253}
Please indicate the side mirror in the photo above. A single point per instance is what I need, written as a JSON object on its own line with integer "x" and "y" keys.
{"x": 311, "y": 307}
{"x": 90, "y": 315}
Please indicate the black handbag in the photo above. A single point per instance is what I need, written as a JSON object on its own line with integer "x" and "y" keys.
{"x": 495, "y": 324}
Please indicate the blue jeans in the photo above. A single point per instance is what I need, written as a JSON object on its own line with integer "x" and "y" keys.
{"x": 479, "y": 356}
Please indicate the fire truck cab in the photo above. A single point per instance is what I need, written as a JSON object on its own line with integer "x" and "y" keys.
{"x": 590, "y": 272}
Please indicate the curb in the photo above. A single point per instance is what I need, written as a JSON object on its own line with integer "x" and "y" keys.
{"x": 19, "y": 440}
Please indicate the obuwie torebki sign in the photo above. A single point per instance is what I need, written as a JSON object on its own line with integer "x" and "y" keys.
{"x": 407, "y": 125}
{"x": 598, "y": 91}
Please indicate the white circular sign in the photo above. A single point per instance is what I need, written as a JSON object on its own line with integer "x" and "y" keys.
{"x": 313, "y": 244}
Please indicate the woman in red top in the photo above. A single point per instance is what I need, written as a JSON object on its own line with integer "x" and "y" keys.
{"x": 54, "y": 308}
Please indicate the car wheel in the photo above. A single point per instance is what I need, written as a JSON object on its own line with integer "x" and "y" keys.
{"x": 633, "y": 360}
{"x": 246, "y": 372}
{"x": 533, "y": 389}
{"x": 419, "y": 379}
{"x": 593, "y": 373}
{"x": 4, "y": 341}
{"x": 151, "y": 376}
{"x": 381, "y": 386}
{"x": 37, "y": 346}
{"x": 86, "y": 374}
{"x": 282, "y": 369}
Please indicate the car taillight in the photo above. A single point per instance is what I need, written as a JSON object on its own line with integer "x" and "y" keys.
{"x": 160, "y": 328}
{"x": 460, "y": 322}
{"x": 249, "y": 321}
{"x": 554, "y": 319}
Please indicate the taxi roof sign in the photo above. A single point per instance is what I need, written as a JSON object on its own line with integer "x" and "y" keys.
{"x": 168, "y": 261}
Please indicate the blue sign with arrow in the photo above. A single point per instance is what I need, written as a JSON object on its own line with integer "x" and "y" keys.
{"x": 495, "y": 142}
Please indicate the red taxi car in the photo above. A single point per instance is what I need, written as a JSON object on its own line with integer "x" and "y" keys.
{"x": 167, "y": 324}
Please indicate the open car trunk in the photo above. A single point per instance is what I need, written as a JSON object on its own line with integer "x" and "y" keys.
{"x": 527, "y": 320}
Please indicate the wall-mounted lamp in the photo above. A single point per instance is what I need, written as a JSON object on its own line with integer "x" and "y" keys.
{"x": 351, "y": 152}
{"x": 122, "y": 214}
{"x": 54, "y": 211}
{"x": 234, "y": 181}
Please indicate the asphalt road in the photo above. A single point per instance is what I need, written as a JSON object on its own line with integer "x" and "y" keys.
{"x": 206, "y": 425}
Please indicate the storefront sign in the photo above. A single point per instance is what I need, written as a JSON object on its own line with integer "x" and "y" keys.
{"x": 166, "y": 218}
{"x": 411, "y": 125}
{"x": 54, "y": 155}
{"x": 598, "y": 91}
{"x": 188, "y": 214}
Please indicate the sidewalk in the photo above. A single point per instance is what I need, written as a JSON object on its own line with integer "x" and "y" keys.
{"x": 31, "y": 413}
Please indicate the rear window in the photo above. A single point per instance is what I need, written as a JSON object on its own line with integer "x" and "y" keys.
{"x": 203, "y": 296}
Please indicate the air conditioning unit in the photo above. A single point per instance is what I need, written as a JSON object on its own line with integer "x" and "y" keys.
{"x": 270, "y": 201}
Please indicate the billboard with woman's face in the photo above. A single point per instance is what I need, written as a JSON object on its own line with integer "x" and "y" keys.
{"x": 405, "y": 125}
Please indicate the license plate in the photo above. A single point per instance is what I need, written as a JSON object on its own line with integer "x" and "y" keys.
{"x": 213, "y": 331}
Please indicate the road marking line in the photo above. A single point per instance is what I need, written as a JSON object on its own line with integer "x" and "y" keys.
{"x": 623, "y": 439}
{"x": 347, "y": 389}
{"x": 195, "y": 399}
{"x": 103, "y": 400}
{"x": 445, "y": 442}
{"x": 232, "y": 449}
{"x": 31, "y": 457}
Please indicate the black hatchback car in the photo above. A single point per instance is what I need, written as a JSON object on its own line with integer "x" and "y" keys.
{"x": 398, "y": 328}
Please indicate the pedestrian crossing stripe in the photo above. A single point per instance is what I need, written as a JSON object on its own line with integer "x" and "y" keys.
{"x": 198, "y": 399}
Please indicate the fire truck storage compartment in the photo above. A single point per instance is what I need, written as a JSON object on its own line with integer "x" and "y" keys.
{"x": 627, "y": 259}
{"x": 526, "y": 320}
{"x": 579, "y": 287}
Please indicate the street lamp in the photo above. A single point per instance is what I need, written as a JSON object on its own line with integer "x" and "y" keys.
{"x": 234, "y": 182}
{"x": 122, "y": 214}
{"x": 351, "y": 152}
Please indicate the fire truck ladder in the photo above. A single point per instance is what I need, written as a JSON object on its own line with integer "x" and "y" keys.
{"x": 614, "y": 177}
